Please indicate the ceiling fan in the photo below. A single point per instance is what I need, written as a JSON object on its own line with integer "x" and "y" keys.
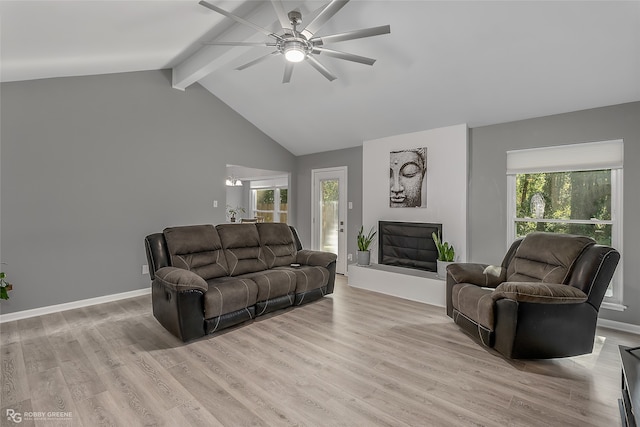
{"x": 299, "y": 45}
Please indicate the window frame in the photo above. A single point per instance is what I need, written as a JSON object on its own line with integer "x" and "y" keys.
{"x": 616, "y": 301}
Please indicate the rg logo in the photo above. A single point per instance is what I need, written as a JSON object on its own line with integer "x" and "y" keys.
{"x": 14, "y": 416}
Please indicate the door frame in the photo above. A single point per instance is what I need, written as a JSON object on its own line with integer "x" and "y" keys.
{"x": 339, "y": 173}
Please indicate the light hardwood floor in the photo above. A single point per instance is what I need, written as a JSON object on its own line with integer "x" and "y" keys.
{"x": 356, "y": 358}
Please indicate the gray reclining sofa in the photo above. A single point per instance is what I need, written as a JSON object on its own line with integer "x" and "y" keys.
{"x": 207, "y": 278}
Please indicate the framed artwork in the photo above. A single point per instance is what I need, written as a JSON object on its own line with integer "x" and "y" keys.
{"x": 407, "y": 179}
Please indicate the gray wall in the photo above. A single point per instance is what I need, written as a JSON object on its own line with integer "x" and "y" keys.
{"x": 488, "y": 183}
{"x": 90, "y": 165}
{"x": 352, "y": 159}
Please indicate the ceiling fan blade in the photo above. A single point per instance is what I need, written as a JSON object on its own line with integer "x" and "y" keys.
{"x": 238, "y": 19}
{"x": 283, "y": 17}
{"x": 240, "y": 44}
{"x": 345, "y": 56}
{"x": 256, "y": 61}
{"x": 288, "y": 70}
{"x": 321, "y": 68}
{"x": 322, "y": 18}
{"x": 351, "y": 35}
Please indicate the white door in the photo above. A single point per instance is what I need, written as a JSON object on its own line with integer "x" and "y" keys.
{"x": 329, "y": 213}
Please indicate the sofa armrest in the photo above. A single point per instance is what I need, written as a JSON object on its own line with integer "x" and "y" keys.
{"x": 477, "y": 274}
{"x": 537, "y": 292}
{"x": 317, "y": 258}
{"x": 179, "y": 279}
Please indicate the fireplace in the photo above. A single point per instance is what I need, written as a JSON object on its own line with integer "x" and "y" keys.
{"x": 408, "y": 244}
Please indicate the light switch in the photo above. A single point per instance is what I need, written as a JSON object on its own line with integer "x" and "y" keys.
{"x": 215, "y": 203}
{"x": 350, "y": 205}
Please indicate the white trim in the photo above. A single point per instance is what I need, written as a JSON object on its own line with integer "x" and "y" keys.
{"x": 24, "y": 314}
{"x": 613, "y": 306}
{"x": 619, "y": 326}
{"x": 511, "y": 210}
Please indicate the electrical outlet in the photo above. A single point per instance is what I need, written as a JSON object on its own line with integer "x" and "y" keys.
{"x": 145, "y": 269}
{"x": 350, "y": 257}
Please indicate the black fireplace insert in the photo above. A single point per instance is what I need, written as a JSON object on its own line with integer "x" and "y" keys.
{"x": 408, "y": 244}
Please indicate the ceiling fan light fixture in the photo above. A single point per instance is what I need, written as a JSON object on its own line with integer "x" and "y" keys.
{"x": 294, "y": 51}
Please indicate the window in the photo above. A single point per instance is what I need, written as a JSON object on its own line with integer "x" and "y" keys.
{"x": 269, "y": 200}
{"x": 574, "y": 189}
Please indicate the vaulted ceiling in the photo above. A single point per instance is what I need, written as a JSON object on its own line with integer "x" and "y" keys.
{"x": 444, "y": 62}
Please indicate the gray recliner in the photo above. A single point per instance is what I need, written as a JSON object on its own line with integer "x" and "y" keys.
{"x": 541, "y": 302}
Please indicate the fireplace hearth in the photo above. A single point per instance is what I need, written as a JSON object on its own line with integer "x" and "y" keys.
{"x": 408, "y": 244}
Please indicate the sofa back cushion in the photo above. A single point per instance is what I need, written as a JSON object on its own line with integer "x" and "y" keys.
{"x": 197, "y": 248}
{"x": 278, "y": 243}
{"x": 241, "y": 244}
{"x": 546, "y": 257}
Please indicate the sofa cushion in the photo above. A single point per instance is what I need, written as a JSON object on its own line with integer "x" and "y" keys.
{"x": 278, "y": 243}
{"x": 196, "y": 248}
{"x": 273, "y": 283}
{"x": 308, "y": 277}
{"x": 546, "y": 257}
{"x": 227, "y": 295}
{"x": 242, "y": 249}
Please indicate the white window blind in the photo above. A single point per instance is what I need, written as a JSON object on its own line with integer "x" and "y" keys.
{"x": 572, "y": 157}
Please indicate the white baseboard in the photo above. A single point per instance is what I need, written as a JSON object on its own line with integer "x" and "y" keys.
{"x": 24, "y": 314}
{"x": 619, "y": 326}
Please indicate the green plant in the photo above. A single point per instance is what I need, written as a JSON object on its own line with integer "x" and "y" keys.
{"x": 4, "y": 286}
{"x": 445, "y": 251}
{"x": 365, "y": 241}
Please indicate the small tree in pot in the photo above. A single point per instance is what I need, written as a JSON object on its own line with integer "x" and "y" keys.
{"x": 364, "y": 242}
{"x": 446, "y": 254}
{"x": 232, "y": 212}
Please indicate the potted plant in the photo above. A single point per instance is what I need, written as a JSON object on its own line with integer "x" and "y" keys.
{"x": 364, "y": 242}
{"x": 446, "y": 254}
{"x": 232, "y": 212}
{"x": 4, "y": 286}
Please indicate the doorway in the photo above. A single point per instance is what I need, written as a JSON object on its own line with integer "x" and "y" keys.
{"x": 329, "y": 213}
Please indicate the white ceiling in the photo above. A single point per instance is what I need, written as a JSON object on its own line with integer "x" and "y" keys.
{"x": 444, "y": 63}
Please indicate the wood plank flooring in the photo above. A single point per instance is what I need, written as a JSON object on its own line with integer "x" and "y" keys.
{"x": 355, "y": 358}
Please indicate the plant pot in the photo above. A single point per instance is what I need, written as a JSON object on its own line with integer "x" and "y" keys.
{"x": 442, "y": 268}
{"x": 364, "y": 257}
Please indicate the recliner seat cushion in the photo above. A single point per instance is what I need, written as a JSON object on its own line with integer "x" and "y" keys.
{"x": 278, "y": 242}
{"x": 229, "y": 294}
{"x": 272, "y": 283}
{"x": 242, "y": 249}
{"x": 474, "y": 302}
{"x": 308, "y": 277}
{"x": 546, "y": 257}
{"x": 197, "y": 248}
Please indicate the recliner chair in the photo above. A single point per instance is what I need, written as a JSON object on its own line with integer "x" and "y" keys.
{"x": 542, "y": 302}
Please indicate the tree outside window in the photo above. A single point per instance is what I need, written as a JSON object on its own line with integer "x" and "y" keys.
{"x": 576, "y": 202}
